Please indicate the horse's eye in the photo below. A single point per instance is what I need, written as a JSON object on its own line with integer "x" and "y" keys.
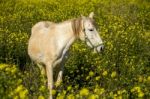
{"x": 91, "y": 29}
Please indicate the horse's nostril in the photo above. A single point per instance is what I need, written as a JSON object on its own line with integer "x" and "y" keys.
{"x": 102, "y": 47}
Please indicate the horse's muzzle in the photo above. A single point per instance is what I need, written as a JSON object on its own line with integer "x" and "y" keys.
{"x": 99, "y": 48}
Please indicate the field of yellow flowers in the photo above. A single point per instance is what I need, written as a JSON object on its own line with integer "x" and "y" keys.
{"x": 121, "y": 71}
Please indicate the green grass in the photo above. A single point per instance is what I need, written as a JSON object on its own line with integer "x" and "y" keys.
{"x": 122, "y": 70}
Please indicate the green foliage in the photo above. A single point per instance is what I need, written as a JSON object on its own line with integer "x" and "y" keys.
{"x": 120, "y": 71}
{"x": 11, "y": 83}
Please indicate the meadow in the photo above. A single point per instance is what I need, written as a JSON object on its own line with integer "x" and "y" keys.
{"x": 121, "y": 71}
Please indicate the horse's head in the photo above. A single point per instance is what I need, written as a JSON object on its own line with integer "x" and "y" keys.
{"x": 89, "y": 33}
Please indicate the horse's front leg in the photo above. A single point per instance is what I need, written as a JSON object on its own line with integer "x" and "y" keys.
{"x": 49, "y": 71}
{"x": 59, "y": 76}
{"x": 61, "y": 69}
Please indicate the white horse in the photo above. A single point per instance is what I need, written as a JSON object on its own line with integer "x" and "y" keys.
{"x": 49, "y": 43}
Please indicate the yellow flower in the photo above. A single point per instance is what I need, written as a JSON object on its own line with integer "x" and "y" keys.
{"x": 19, "y": 81}
{"x": 91, "y": 73}
{"x": 42, "y": 88}
{"x": 138, "y": 89}
{"x": 140, "y": 94}
{"x": 41, "y": 97}
{"x": 53, "y": 92}
{"x": 119, "y": 97}
{"x": 71, "y": 96}
{"x": 23, "y": 94}
{"x": 87, "y": 77}
{"x": 124, "y": 91}
{"x": 140, "y": 79}
{"x": 64, "y": 92}
{"x": 105, "y": 73}
{"x": 96, "y": 90}
{"x": 115, "y": 95}
{"x": 118, "y": 92}
{"x": 97, "y": 78}
{"x": 132, "y": 90}
{"x": 113, "y": 74}
{"x": 8, "y": 69}
{"x": 61, "y": 97}
{"x": 102, "y": 90}
{"x": 2, "y": 66}
{"x": 19, "y": 88}
{"x": 92, "y": 96}
{"x": 148, "y": 78}
{"x": 69, "y": 88}
{"x": 99, "y": 90}
{"x": 14, "y": 70}
{"x": 84, "y": 92}
{"x": 16, "y": 97}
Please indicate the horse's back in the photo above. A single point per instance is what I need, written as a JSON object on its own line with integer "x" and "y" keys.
{"x": 41, "y": 26}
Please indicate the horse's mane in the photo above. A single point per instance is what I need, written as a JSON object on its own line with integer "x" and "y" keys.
{"x": 76, "y": 25}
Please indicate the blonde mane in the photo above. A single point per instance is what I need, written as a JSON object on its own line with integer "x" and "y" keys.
{"x": 77, "y": 26}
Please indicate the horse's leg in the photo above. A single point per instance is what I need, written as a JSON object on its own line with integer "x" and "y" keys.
{"x": 49, "y": 71}
{"x": 61, "y": 69}
{"x": 56, "y": 69}
{"x": 59, "y": 75}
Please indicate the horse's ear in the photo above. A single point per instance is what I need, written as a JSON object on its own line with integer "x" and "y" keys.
{"x": 91, "y": 15}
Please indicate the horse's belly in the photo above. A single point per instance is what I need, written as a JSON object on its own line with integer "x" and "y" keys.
{"x": 42, "y": 50}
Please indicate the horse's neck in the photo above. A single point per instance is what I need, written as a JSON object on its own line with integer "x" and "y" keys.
{"x": 70, "y": 33}
{"x": 67, "y": 35}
